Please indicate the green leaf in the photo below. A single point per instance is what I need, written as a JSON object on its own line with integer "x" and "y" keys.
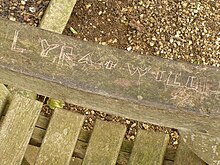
{"x": 73, "y": 30}
{"x": 53, "y": 103}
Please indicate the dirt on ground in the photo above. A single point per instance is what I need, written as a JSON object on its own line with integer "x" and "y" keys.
{"x": 24, "y": 11}
{"x": 183, "y": 30}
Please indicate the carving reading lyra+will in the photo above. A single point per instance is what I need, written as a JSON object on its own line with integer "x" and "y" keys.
{"x": 65, "y": 55}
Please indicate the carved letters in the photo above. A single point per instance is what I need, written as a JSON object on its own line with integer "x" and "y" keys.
{"x": 87, "y": 60}
{"x": 66, "y": 55}
{"x": 14, "y": 44}
{"x": 159, "y": 76}
{"x": 90, "y": 61}
{"x": 110, "y": 64}
{"x": 172, "y": 79}
{"x": 46, "y": 48}
{"x": 138, "y": 70}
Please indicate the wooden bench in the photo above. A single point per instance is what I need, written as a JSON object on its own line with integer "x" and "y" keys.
{"x": 61, "y": 140}
{"x": 92, "y": 75}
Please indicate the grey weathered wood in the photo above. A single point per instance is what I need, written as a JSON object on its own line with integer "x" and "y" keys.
{"x": 80, "y": 148}
{"x": 170, "y": 153}
{"x": 16, "y": 129}
{"x": 37, "y": 136}
{"x": 25, "y": 93}
{"x": 42, "y": 124}
{"x": 83, "y": 140}
{"x": 31, "y": 154}
{"x": 131, "y": 87}
{"x": 205, "y": 147}
{"x": 149, "y": 148}
{"x": 4, "y": 95}
{"x": 105, "y": 143}
{"x": 57, "y": 15}
{"x": 60, "y": 139}
{"x": 185, "y": 156}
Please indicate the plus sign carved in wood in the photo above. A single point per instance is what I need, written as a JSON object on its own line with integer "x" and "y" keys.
{"x": 107, "y": 72}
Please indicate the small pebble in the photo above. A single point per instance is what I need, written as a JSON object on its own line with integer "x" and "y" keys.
{"x": 32, "y": 9}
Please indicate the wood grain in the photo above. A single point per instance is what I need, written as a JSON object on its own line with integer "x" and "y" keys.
{"x": 142, "y": 88}
{"x": 60, "y": 139}
{"x": 205, "y": 147}
{"x": 17, "y": 128}
{"x": 185, "y": 156}
{"x": 149, "y": 148}
{"x": 4, "y": 95}
{"x": 57, "y": 15}
{"x": 105, "y": 143}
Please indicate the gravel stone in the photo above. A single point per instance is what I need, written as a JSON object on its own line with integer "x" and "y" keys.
{"x": 24, "y": 11}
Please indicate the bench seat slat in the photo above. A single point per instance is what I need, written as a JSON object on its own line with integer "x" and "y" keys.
{"x": 105, "y": 143}
{"x": 185, "y": 156}
{"x": 16, "y": 129}
{"x": 60, "y": 139}
{"x": 57, "y": 15}
{"x": 4, "y": 94}
{"x": 149, "y": 148}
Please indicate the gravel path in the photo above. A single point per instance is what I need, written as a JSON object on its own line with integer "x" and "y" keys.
{"x": 186, "y": 30}
{"x": 24, "y": 11}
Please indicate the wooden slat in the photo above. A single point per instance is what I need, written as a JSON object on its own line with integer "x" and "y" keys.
{"x": 204, "y": 146}
{"x": 185, "y": 156}
{"x": 4, "y": 94}
{"x": 60, "y": 139}
{"x": 105, "y": 143}
{"x": 16, "y": 129}
{"x": 116, "y": 80}
{"x": 170, "y": 153}
{"x": 83, "y": 140}
{"x": 149, "y": 148}
{"x": 37, "y": 136}
{"x": 57, "y": 15}
{"x": 42, "y": 124}
{"x": 22, "y": 92}
{"x": 31, "y": 154}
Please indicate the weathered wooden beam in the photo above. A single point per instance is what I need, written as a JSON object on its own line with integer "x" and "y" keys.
{"x": 16, "y": 129}
{"x": 4, "y": 95}
{"x": 60, "y": 139}
{"x": 105, "y": 143}
{"x": 205, "y": 147}
{"x": 57, "y": 15}
{"x": 143, "y": 88}
{"x": 185, "y": 156}
{"x": 149, "y": 148}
